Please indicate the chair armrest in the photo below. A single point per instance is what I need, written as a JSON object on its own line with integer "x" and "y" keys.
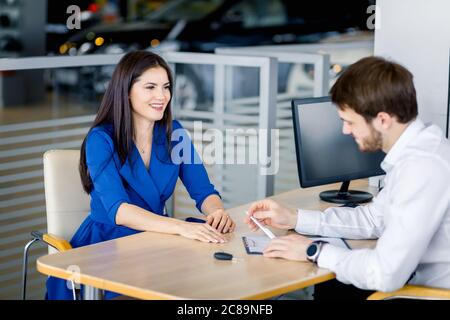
{"x": 413, "y": 292}
{"x": 56, "y": 242}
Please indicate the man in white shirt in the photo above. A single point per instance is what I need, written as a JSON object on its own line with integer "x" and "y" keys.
{"x": 410, "y": 217}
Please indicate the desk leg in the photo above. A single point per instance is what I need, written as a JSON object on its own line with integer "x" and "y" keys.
{"x": 92, "y": 293}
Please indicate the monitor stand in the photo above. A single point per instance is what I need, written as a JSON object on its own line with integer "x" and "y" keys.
{"x": 345, "y": 196}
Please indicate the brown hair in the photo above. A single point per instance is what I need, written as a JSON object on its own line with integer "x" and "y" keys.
{"x": 115, "y": 108}
{"x": 373, "y": 85}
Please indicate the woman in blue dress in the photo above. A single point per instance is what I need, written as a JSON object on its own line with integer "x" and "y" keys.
{"x": 130, "y": 163}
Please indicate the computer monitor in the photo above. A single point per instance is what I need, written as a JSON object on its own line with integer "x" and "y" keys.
{"x": 325, "y": 155}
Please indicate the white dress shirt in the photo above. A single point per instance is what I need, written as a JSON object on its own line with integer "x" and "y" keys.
{"x": 410, "y": 218}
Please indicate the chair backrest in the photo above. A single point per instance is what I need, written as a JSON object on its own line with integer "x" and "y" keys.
{"x": 66, "y": 202}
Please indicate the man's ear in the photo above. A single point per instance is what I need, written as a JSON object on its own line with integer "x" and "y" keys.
{"x": 383, "y": 121}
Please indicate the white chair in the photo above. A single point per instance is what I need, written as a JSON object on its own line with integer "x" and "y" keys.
{"x": 67, "y": 204}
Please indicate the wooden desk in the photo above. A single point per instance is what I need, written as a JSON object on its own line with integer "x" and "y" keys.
{"x": 159, "y": 266}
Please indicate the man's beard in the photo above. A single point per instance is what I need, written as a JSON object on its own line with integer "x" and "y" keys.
{"x": 372, "y": 143}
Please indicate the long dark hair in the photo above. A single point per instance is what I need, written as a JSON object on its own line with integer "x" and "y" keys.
{"x": 115, "y": 108}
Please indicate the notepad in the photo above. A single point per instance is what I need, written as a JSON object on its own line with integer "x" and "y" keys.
{"x": 257, "y": 244}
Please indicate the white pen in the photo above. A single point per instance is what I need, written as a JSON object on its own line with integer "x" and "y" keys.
{"x": 266, "y": 231}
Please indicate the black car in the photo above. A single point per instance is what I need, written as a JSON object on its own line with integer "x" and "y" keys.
{"x": 204, "y": 25}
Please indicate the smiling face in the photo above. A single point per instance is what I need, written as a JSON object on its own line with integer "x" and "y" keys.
{"x": 150, "y": 94}
{"x": 365, "y": 135}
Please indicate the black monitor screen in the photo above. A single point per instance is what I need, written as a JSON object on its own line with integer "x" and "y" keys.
{"x": 324, "y": 154}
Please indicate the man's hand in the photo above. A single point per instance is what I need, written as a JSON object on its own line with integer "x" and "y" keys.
{"x": 221, "y": 221}
{"x": 290, "y": 247}
{"x": 271, "y": 213}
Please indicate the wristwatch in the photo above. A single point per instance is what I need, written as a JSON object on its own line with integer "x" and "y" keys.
{"x": 313, "y": 250}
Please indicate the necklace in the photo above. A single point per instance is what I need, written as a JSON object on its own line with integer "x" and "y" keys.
{"x": 142, "y": 149}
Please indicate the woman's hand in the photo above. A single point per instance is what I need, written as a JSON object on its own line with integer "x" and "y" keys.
{"x": 200, "y": 231}
{"x": 221, "y": 221}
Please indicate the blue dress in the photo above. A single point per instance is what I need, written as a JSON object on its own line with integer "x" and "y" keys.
{"x": 115, "y": 183}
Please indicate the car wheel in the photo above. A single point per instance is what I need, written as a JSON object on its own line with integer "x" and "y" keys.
{"x": 186, "y": 93}
{"x": 188, "y": 89}
{"x": 299, "y": 81}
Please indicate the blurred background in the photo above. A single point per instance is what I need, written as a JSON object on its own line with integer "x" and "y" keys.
{"x": 45, "y": 106}
{"x": 47, "y": 28}
{"x": 49, "y": 96}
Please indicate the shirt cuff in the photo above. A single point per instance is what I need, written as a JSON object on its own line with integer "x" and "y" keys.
{"x": 330, "y": 256}
{"x": 308, "y": 222}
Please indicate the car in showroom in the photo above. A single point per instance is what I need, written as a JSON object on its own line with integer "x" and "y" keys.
{"x": 203, "y": 26}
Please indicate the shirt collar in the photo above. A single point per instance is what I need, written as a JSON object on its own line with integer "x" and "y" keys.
{"x": 405, "y": 138}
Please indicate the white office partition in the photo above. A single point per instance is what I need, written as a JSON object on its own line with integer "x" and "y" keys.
{"x": 298, "y": 85}
{"x": 22, "y": 202}
{"x": 320, "y": 62}
{"x": 226, "y": 114}
{"x": 311, "y": 74}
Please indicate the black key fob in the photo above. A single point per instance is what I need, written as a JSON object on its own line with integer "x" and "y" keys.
{"x": 223, "y": 256}
{"x": 192, "y": 219}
